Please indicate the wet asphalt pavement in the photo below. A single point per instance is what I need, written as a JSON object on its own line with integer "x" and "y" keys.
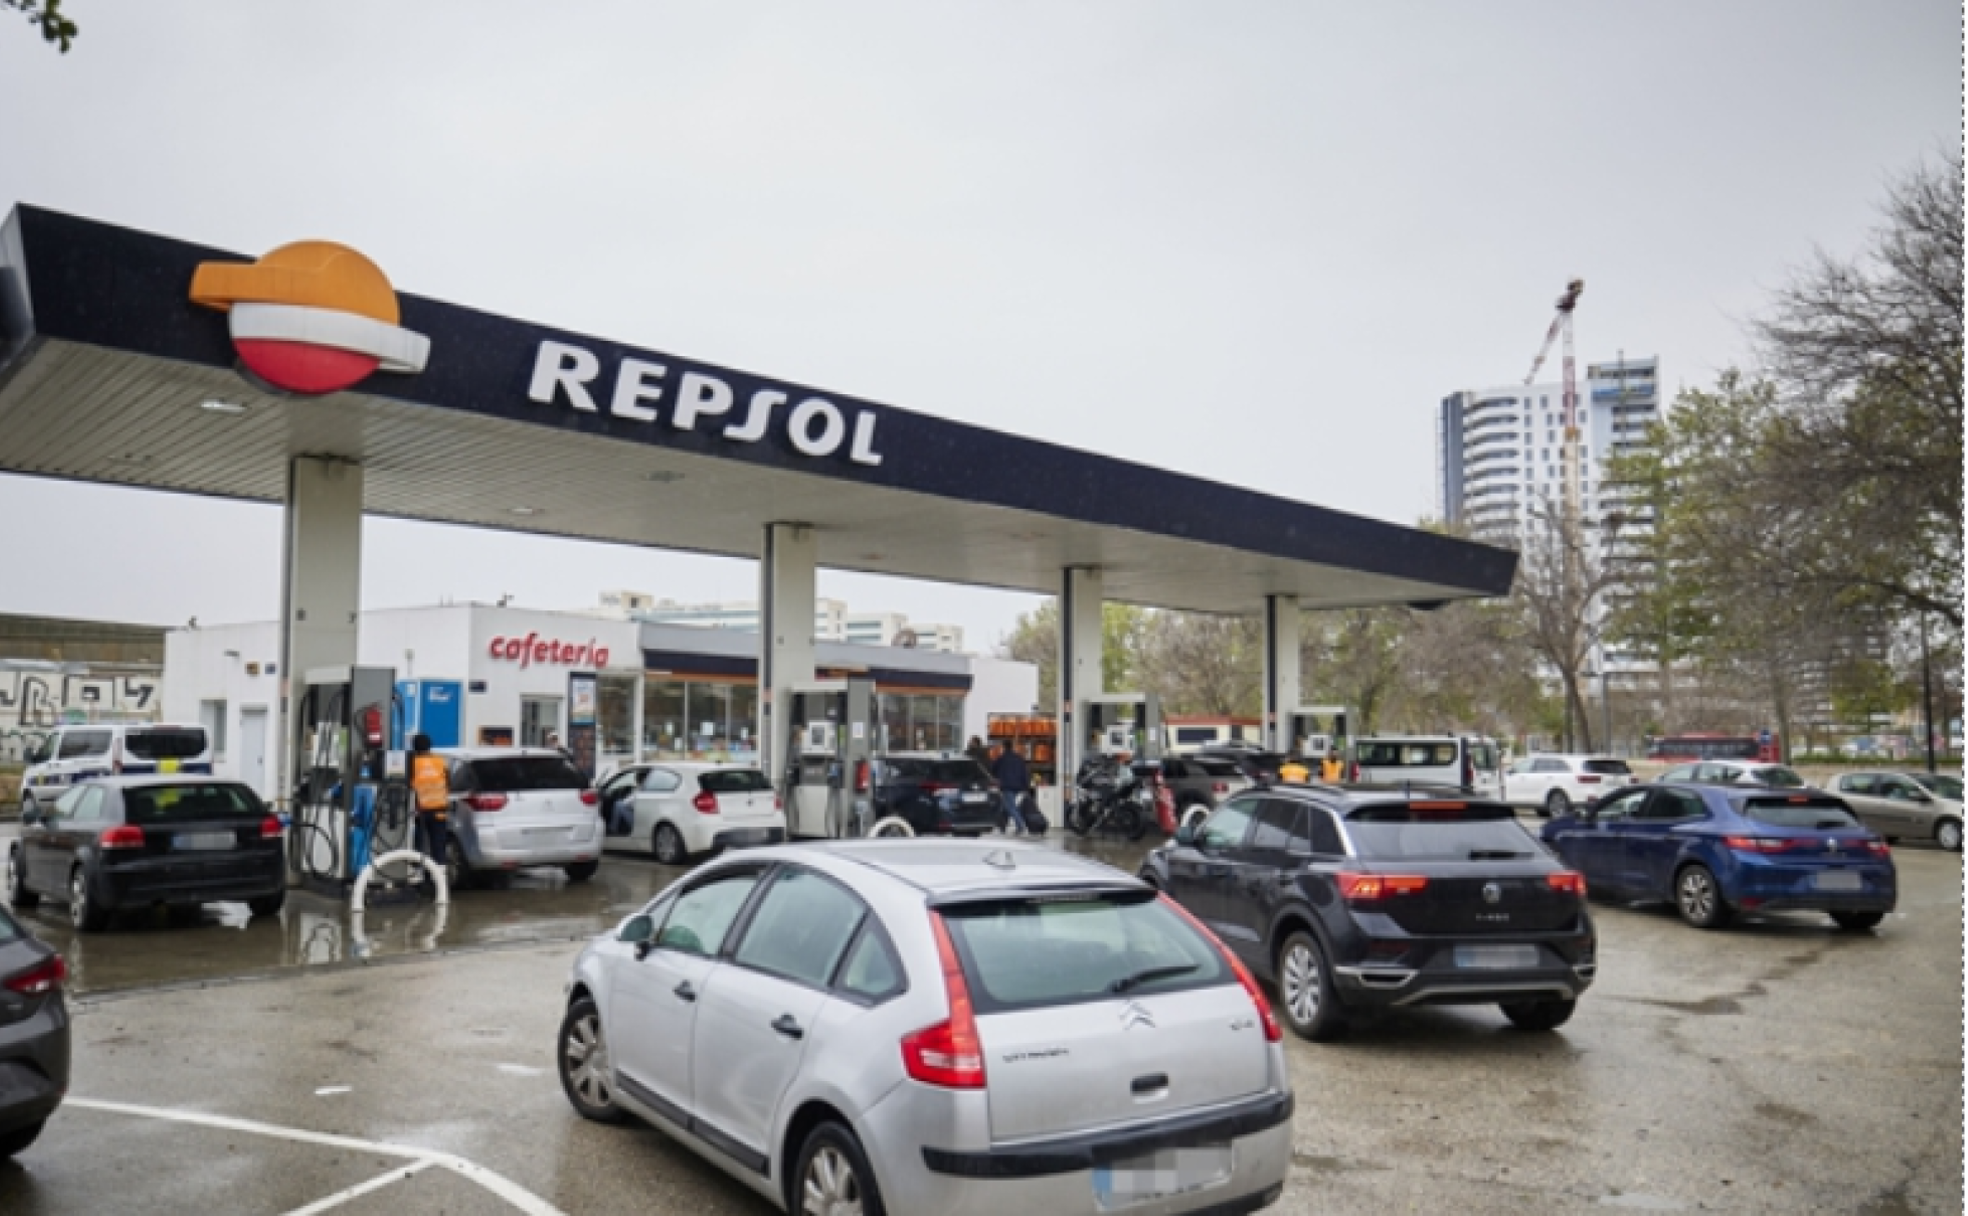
{"x": 227, "y": 1065}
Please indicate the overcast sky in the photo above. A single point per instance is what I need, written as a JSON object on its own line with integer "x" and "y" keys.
{"x": 1253, "y": 242}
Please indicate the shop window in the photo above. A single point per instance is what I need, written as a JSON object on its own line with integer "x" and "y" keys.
{"x": 663, "y": 722}
{"x": 615, "y": 714}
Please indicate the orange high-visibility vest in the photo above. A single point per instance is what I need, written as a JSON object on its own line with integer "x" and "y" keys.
{"x": 431, "y": 779}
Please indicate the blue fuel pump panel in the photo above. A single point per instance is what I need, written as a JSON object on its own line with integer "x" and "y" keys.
{"x": 434, "y": 708}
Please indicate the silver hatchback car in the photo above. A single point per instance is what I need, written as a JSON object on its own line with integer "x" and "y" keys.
{"x": 938, "y": 1025}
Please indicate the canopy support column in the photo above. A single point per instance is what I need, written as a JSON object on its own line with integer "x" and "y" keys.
{"x": 1081, "y": 595}
{"x": 786, "y": 595}
{"x": 1281, "y": 690}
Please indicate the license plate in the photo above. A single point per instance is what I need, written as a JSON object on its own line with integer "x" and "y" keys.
{"x": 538, "y": 833}
{"x": 189, "y": 841}
{"x": 1496, "y": 958}
{"x": 975, "y": 796}
{"x": 1840, "y": 880}
{"x": 1173, "y": 1171}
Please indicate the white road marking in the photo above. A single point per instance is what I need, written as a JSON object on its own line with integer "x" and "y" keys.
{"x": 329, "y": 1090}
{"x": 504, "y": 1188}
{"x": 374, "y": 1184}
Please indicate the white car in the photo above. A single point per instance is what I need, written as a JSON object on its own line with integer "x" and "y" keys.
{"x": 1554, "y": 784}
{"x": 684, "y": 810}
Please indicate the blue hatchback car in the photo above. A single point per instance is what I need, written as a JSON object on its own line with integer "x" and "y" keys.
{"x": 1714, "y": 851}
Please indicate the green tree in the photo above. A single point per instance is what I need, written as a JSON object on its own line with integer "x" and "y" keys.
{"x": 54, "y": 24}
{"x": 1198, "y": 663}
{"x": 1034, "y": 639}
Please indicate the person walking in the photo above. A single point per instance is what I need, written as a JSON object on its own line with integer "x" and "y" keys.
{"x": 1014, "y": 782}
{"x": 430, "y": 782}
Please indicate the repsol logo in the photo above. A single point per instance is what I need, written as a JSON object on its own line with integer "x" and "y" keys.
{"x": 814, "y": 426}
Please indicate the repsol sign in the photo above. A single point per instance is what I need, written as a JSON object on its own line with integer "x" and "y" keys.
{"x": 640, "y": 390}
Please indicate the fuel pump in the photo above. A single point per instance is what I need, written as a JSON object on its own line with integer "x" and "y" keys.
{"x": 350, "y": 781}
{"x": 1315, "y": 731}
{"x": 830, "y": 742}
{"x": 1128, "y": 722}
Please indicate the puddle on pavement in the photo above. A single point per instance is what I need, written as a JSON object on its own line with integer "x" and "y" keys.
{"x": 224, "y": 941}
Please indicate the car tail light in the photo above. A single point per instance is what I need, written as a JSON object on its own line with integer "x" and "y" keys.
{"x": 1271, "y": 1032}
{"x": 1587, "y": 779}
{"x": 589, "y": 798}
{"x": 270, "y": 828}
{"x": 486, "y": 802}
{"x": 1369, "y": 888}
{"x": 1757, "y": 844}
{"x": 778, "y": 803}
{"x": 950, "y": 1053}
{"x": 1219, "y": 787}
{"x": 44, "y": 977}
{"x": 938, "y": 787}
{"x": 1878, "y": 848}
{"x": 1567, "y": 880}
{"x": 706, "y": 802}
{"x": 122, "y": 836}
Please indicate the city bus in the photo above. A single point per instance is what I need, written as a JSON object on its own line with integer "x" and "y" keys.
{"x": 1679, "y": 749}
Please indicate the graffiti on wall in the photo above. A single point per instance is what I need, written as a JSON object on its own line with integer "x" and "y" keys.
{"x": 34, "y": 702}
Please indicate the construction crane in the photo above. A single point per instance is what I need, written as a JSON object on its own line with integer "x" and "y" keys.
{"x": 1563, "y": 323}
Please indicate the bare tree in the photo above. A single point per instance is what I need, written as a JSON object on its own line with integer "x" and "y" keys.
{"x": 1563, "y": 575}
{"x": 1203, "y": 664}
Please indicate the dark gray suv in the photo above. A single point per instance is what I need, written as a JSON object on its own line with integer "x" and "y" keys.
{"x": 33, "y": 1035}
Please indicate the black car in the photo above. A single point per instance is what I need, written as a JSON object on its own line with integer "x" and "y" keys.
{"x": 936, "y": 794}
{"x": 33, "y": 1035}
{"x": 134, "y": 842}
{"x": 1258, "y": 766}
{"x": 1369, "y": 897}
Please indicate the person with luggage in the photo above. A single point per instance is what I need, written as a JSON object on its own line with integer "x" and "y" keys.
{"x": 1014, "y": 779}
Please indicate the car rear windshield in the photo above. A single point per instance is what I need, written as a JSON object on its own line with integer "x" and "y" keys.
{"x": 165, "y": 743}
{"x": 733, "y": 781}
{"x": 1459, "y": 832}
{"x": 1218, "y": 768}
{"x": 1777, "y": 777}
{"x": 1800, "y": 813}
{"x": 510, "y": 773}
{"x": 146, "y": 804}
{"x": 1030, "y": 953}
{"x": 915, "y": 769}
{"x": 1613, "y": 768}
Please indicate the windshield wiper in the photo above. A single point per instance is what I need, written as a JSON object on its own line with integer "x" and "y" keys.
{"x": 1494, "y": 855}
{"x": 1128, "y": 983}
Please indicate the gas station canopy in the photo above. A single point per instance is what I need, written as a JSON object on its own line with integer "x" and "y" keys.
{"x": 111, "y": 373}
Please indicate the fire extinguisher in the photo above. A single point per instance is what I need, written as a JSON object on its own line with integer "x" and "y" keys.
{"x": 1164, "y": 806}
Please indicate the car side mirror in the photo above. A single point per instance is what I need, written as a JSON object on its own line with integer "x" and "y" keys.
{"x": 638, "y": 929}
{"x": 1186, "y": 835}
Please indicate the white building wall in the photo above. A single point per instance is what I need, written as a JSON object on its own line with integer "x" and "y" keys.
{"x": 998, "y": 686}
{"x": 238, "y": 666}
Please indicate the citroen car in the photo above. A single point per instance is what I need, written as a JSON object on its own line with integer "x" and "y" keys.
{"x": 935, "y": 1025}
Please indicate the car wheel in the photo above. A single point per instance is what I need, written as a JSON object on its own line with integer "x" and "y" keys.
{"x": 1947, "y": 834}
{"x": 82, "y": 910}
{"x": 891, "y": 826}
{"x": 1538, "y": 1015}
{"x": 14, "y": 1141}
{"x": 833, "y": 1176}
{"x": 17, "y": 892}
{"x": 581, "y": 871}
{"x": 1305, "y": 983}
{"x": 585, "y": 1074}
{"x": 1857, "y": 922}
{"x": 667, "y": 844}
{"x": 267, "y": 905}
{"x": 457, "y": 867}
{"x": 1698, "y": 899}
{"x": 1556, "y": 803}
{"x": 1194, "y": 816}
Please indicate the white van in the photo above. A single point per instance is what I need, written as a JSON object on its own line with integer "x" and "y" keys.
{"x": 110, "y": 749}
{"x": 1463, "y": 762}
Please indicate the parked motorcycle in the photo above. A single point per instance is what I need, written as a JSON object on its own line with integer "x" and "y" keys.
{"x": 1108, "y": 796}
